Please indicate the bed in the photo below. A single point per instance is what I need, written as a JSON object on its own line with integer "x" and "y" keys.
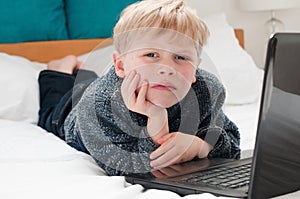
{"x": 37, "y": 164}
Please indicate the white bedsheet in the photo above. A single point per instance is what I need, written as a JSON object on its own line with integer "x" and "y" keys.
{"x": 246, "y": 118}
{"x": 37, "y": 164}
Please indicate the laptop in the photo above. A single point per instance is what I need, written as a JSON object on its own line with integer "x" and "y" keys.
{"x": 274, "y": 168}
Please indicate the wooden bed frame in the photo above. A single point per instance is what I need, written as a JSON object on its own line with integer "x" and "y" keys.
{"x": 44, "y": 51}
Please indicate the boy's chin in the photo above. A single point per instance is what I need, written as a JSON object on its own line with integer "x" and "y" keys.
{"x": 161, "y": 99}
{"x": 163, "y": 104}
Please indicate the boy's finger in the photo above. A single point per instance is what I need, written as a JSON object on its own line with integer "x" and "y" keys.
{"x": 167, "y": 159}
{"x": 143, "y": 92}
{"x": 128, "y": 88}
{"x": 133, "y": 84}
{"x": 162, "y": 149}
{"x": 164, "y": 138}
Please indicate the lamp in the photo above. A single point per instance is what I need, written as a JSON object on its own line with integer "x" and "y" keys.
{"x": 269, "y": 5}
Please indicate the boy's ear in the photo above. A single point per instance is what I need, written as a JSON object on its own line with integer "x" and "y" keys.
{"x": 194, "y": 79}
{"x": 118, "y": 63}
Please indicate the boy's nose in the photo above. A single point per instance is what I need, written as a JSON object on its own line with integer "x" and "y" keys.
{"x": 166, "y": 71}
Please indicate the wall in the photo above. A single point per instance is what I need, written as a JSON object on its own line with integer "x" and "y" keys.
{"x": 253, "y": 23}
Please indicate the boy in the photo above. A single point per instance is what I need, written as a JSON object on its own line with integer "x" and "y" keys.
{"x": 154, "y": 108}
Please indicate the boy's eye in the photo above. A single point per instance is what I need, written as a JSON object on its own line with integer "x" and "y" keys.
{"x": 151, "y": 55}
{"x": 180, "y": 57}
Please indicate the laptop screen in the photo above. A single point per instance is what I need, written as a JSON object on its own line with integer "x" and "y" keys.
{"x": 277, "y": 151}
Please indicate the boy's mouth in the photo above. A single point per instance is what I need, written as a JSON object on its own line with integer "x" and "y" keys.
{"x": 166, "y": 87}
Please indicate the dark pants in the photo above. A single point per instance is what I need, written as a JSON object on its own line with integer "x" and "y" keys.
{"x": 59, "y": 92}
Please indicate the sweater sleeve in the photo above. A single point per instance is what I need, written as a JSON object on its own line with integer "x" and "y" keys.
{"x": 215, "y": 127}
{"x": 117, "y": 151}
{"x": 225, "y": 139}
{"x": 117, "y": 143}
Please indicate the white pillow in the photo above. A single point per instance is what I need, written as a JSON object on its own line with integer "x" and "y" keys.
{"x": 98, "y": 60}
{"x": 235, "y": 68}
{"x": 19, "y": 99}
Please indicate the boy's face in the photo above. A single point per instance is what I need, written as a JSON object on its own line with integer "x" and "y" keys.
{"x": 167, "y": 61}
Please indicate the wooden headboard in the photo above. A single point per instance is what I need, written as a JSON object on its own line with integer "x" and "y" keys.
{"x": 239, "y": 33}
{"x": 44, "y": 51}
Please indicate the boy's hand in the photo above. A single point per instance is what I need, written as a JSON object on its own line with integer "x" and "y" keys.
{"x": 178, "y": 147}
{"x": 135, "y": 100}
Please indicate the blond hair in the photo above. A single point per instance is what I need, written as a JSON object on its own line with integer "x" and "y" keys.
{"x": 164, "y": 14}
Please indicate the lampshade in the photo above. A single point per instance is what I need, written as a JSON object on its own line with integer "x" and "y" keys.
{"x": 264, "y": 5}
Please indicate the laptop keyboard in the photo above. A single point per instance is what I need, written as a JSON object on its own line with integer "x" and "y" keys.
{"x": 229, "y": 177}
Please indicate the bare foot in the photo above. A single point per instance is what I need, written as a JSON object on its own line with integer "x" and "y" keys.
{"x": 65, "y": 65}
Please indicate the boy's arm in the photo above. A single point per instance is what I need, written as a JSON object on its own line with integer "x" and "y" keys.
{"x": 118, "y": 145}
{"x": 157, "y": 125}
{"x": 225, "y": 139}
{"x": 119, "y": 153}
{"x": 228, "y": 142}
{"x": 114, "y": 136}
{"x": 215, "y": 128}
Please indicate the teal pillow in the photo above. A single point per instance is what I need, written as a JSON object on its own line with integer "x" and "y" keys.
{"x": 32, "y": 20}
{"x": 93, "y": 18}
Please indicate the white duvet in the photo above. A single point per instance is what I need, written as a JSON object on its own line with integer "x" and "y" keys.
{"x": 37, "y": 164}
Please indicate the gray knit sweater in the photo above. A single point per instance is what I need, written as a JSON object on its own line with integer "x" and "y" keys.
{"x": 117, "y": 139}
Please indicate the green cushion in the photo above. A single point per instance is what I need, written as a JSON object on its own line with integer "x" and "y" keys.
{"x": 93, "y": 18}
{"x": 32, "y": 20}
